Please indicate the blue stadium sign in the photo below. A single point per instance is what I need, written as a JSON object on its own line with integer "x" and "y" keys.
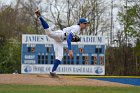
{"x": 38, "y": 56}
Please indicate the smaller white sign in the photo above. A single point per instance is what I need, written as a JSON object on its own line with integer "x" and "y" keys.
{"x": 64, "y": 69}
{"x": 44, "y": 39}
{"x": 29, "y": 57}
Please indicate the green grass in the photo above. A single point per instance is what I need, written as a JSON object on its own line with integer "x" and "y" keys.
{"x": 65, "y": 89}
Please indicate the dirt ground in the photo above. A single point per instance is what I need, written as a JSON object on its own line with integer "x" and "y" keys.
{"x": 25, "y": 79}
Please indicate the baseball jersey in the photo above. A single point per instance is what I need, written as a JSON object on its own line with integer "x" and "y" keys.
{"x": 74, "y": 29}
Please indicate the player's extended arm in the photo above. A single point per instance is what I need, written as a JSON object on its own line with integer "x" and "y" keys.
{"x": 44, "y": 23}
{"x": 69, "y": 39}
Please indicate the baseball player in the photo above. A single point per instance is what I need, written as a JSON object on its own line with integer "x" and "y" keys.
{"x": 69, "y": 34}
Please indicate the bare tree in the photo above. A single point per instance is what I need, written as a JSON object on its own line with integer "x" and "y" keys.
{"x": 67, "y": 12}
{"x": 28, "y": 9}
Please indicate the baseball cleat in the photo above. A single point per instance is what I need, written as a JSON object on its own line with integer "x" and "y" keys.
{"x": 54, "y": 75}
{"x": 37, "y": 12}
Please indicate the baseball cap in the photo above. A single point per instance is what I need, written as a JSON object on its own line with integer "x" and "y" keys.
{"x": 83, "y": 20}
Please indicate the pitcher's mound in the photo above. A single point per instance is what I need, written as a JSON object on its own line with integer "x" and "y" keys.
{"x": 25, "y": 79}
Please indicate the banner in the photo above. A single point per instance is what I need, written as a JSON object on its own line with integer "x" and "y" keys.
{"x": 64, "y": 69}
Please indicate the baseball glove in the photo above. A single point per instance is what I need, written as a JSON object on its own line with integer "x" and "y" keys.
{"x": 76, "y": 39}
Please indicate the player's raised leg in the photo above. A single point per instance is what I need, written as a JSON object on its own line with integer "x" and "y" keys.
{"x": 56, "y": 35}
{"x": 43, "y": 22}
{"x": 45, "y": 25}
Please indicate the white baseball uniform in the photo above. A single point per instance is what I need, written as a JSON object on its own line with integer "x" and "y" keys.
{"x": 59, "y": 36}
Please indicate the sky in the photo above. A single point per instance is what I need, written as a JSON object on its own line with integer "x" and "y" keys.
{"x": 8, "y": 2}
